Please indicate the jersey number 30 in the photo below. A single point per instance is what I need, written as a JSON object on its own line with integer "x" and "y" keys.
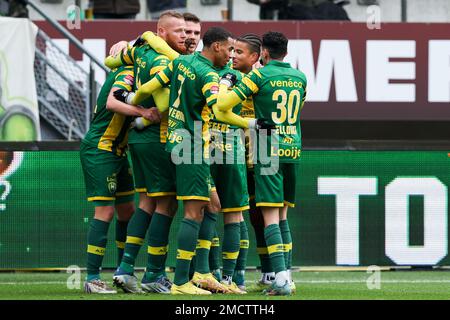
{"x": 288, "y": 107}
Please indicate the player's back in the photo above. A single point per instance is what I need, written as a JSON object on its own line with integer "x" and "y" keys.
{"x": 281, "y": 93}
{"x": 109, "y": 130}
{"x": 147, "y": 63}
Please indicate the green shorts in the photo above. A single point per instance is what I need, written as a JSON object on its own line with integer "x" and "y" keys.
{"x": 193, "y": 181}
{"x": 107, "y": 176}
{"x": 153, "y": 169}
{"x": 276, "y": 190}
{"x": 231, "y": 183}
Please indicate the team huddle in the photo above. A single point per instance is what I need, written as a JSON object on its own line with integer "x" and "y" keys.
{"x": 217, "y": 131}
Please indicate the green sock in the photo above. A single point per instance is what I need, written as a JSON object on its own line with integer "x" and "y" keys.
{"x": 261, "y": 248}
{"x": 97, "y": 238}
{"x": 121, "y": 237}
{"x": 241, "y": 262}
{"x": 231, "y": 244}
{"x": 287, "y": 241}
{"x": 187, "y": 241}
{"x": 158, "y": 239}
{"x": 275, "y": 247}
{"x": 192, "y": 267}
{"x": 215, "y": 252}
{"x": 137, "y": 228}
{"x": 205, "y": 236}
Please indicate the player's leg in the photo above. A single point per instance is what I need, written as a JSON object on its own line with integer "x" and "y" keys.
{"x": 124, "y": 206}
{"x": 193, "y": 188}
{"x": 215, "y": 255}
{"x": 289, "y": 185}
{"x": 274, "y": 240}
{"x": 160, "y": 177}
{"x": 101, "y": 185}
{"x": 124, "y": 213}
{"x": 155, "y": 278}
{"x": 257, "y": 221}
{"x": 270, "y": 198}
{"x": 267, "y": 274}
{"x": 124, "y": 277}
{"x": 241, "y": 263}
{"x": 287, "y": 241}
{"x": 200, "y": 263}
{"x": 231, "y": 183}
{"x": 230, "y": 249}
{"x": 124, "y": 209}
{"x": 187, "y": 242}
{"x": 97, "y": 239}
{"x": 202, "y": 276}
{"x": 138, "y": 225}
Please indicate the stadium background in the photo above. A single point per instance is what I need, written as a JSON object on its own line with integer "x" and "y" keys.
{"x": 45, "y": 216}
{"x": 45, "y": 219}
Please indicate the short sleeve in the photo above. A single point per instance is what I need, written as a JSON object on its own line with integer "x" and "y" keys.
{"x": 124, "y": 79}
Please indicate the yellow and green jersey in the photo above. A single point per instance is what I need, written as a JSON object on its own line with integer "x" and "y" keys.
{"x": 222, "y": 144}
{"x": 147, "y": 63}
{"x": 109, "y": 130}
{"x": 248, "y": 108}
{"x": 216, "y": 125}
{"x": 194, "y": 89}
{"x": 279, "y": 92}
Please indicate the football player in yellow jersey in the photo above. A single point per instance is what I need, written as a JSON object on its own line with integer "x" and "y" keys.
{"x": 206, "y": 244}
{"x": 275, "y": 180}
{"x": 157, "y": 203}
{"x": 107, "y": 175}
{"x": 246, "y": 54}
{"x": 245, "y": 60}
{"x": 215, "y": 53}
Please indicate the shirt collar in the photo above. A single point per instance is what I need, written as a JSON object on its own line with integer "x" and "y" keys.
{"x": 278, "y": 64}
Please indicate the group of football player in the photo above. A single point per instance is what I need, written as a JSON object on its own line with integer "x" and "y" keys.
{"x": 176, "y": 111}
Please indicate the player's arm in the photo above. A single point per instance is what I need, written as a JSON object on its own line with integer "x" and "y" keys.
{"x": 159, "y": 45}
{"x": 124, "y": 81}
{"x": 303, "y": 101}
{"x": 122, "y": 59}
{"x": 161, "y": 99}
{"x": 223, "y": 110}
{"x": 117, "y": 106}
{"x": 212, "y": 94}
{"x": 160, "y": 96}
{"x": 118, "y": 47}
{"x": 161, "y": 79}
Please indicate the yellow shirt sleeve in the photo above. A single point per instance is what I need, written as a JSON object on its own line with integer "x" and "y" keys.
{"x": 161, "y": 98}
{"x": 159, "y": 45}
{"x": 146, "y": 90}
{"x": 223, "y": 109}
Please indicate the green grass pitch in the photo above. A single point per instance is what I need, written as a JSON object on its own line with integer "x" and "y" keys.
{"x": 342, "y": 285}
